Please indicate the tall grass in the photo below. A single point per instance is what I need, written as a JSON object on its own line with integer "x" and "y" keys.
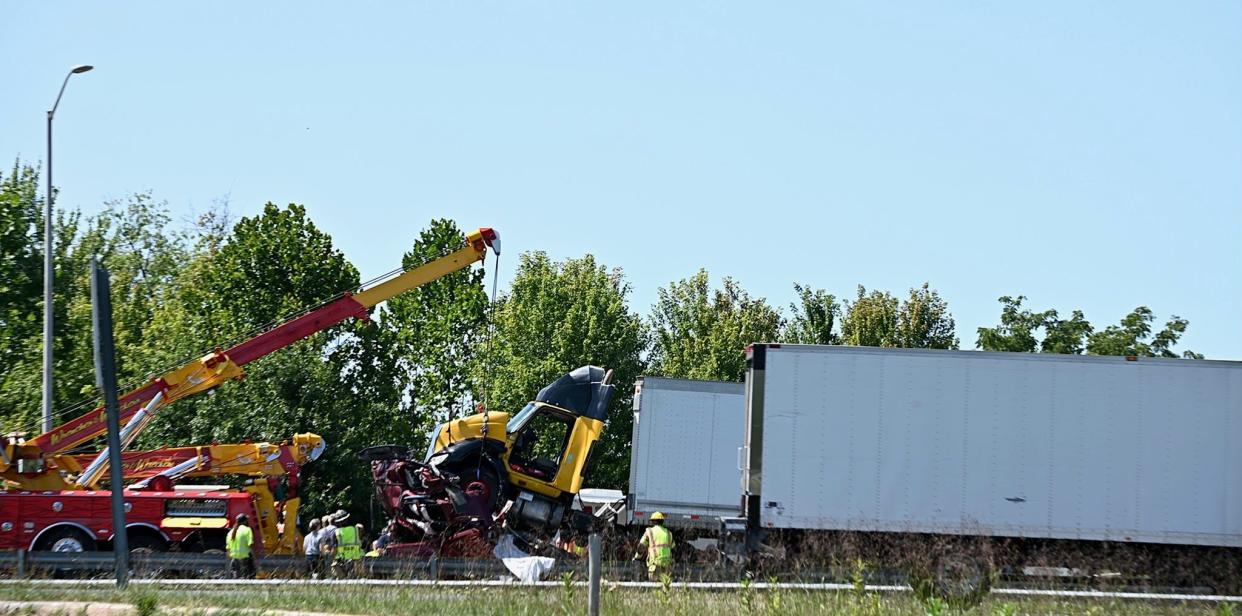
{"x": 569, "y": 598}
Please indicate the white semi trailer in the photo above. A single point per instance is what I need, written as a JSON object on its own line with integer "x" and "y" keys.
{"x": 684, "y": 458}
{"x": 971, "y": 461}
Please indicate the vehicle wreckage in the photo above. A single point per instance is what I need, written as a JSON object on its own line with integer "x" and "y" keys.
{"x": 492, "y": 474}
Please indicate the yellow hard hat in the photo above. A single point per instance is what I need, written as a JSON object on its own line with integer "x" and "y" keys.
{"x": 657, "y": 517}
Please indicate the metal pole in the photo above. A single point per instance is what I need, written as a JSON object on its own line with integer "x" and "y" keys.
{"x": 593, "y": 573}
{"x": 47, "y": 281}
{"x": 47, "y": 257}
{"x": 105, "y": 378}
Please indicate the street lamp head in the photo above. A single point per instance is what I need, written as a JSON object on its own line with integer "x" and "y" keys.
{"x": 82, "y": 68}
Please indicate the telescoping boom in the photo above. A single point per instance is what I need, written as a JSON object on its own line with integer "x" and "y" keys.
{"x": 34, "y": 464}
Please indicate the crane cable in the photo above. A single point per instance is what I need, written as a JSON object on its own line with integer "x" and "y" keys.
{"x": 487, "y": 373}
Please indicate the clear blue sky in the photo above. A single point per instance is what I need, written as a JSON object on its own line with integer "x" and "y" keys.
{"x": 1087, "y": 155}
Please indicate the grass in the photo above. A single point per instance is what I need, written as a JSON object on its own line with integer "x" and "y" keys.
{"x": 568, "y": 598}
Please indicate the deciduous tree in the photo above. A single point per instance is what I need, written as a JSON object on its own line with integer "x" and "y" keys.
{"x": 870, "y": 320}
{"x": 813, "y": 317}
{"x": 924, "y": 321}
{"x": 1016, "y": 332}
{"x": 701, "y": 333}
{"x": 1131, "y": 337}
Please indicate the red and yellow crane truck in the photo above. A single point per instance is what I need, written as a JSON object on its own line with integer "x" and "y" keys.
{"x": 50, "y": 500}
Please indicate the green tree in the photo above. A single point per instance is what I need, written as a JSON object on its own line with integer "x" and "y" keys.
{"x": 1067, "y": 336}
{"x": 21, "y": 261}
{"x": 813, "y": 317}
{"x": 1131, "y": 337}
{"x": 879, "y": 319}
{"x": 1016, "y": 332}
{"x": 701, "y": 333}
{"x": 870, "y": 320}
{"x": 556, "y": 317}
{"x": 133, "y": 239}
{"x": 924, "y": 321}
{"x": 435, "y": 331}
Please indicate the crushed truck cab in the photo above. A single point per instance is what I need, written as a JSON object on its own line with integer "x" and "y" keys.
{"x": 492, "y": 471}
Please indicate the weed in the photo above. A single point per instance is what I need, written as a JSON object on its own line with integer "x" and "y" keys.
{"x": 146, "y": 602}
{"x": 567, "y": 594}
{"x": 935, "y": 606}
{"x": 747, "y": 596}
{"x": 774, "y": 595}
{"x": 666, "y": 588}
{"x": 1005, "y": 609}
{"x": 858, "y": 576}
{"x": 1224, "y": 609}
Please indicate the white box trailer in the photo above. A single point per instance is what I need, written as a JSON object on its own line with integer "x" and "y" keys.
{"x": 993, "y": 444}
{"x": 683, "y": 461}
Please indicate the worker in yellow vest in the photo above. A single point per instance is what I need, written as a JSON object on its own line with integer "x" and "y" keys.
{"x": 239, "y": 543}
{"x": 348, "y": 546}
{"x": 659, "y": 543}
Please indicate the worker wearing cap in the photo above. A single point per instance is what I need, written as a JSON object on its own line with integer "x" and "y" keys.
{"x": 310, "y": 545}
{"x": 239, "y": 542}
{"x": 659, "y": 543}
{"x": 348, "y": 545}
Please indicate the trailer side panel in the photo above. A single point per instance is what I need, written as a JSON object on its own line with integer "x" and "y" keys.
{"x": 1001, "y": 444}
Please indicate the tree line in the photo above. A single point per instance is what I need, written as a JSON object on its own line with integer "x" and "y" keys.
{"x": 429, "y": 354}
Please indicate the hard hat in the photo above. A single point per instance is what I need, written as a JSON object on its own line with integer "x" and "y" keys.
{"x": 657, "y": 517}
{"x": 340, "y": 517}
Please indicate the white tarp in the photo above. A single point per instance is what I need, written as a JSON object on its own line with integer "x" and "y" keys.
{"x": 526, "y": 568}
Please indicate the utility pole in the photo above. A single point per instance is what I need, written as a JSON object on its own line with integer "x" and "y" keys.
{"x": 105, "y": 379}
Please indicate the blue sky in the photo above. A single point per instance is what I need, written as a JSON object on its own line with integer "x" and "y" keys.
{"x": 1087, "y": 155}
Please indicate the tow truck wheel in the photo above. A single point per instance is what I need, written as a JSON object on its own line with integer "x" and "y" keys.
{"x": 141, "y": 546}
{"x": 65, "y": 539}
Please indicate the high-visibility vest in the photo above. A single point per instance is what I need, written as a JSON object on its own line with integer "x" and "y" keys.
{"x": 348, "y": 547}
{"x": 239, "y": 541}
{"x": 659, "y": 542}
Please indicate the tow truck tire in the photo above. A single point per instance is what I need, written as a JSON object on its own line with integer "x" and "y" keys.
{"x": 142, "y": 545}
{"x": 65, "y": 539}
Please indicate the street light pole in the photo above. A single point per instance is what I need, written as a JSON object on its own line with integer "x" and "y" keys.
{"x": 47, "y": 258}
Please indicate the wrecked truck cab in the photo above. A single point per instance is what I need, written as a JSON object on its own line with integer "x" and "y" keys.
{"x": 518, "y": 472}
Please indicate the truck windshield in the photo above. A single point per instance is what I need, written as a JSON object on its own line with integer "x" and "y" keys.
{"x": 431, "y": 441}
{"x": 519, "y": 420}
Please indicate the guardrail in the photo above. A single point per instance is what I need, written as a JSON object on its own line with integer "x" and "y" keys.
{"x": 190, "y": 564}
{"x": 24, "y": 564}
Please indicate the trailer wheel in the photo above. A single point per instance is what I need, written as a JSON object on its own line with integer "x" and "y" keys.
{"x": 960, "y": 579}
{"x": 65, "y": 539}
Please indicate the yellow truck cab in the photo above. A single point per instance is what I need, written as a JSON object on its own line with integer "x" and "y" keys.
{"x": 521, "y": 470}
{"x": 546, "y": 446}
